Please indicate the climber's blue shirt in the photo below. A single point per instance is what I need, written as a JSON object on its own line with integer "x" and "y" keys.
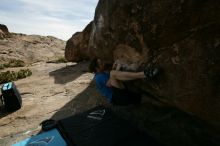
{"x": 101, "y": 80}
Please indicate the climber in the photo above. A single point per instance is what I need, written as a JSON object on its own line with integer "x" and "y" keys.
{"x": 110, "y": 81}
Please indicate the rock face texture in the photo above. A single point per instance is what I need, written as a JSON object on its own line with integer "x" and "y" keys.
{"x": 30, "y": 48}
{"x": 180, "y": 36}
{"x": 77, "y": 46}
{"x": 3, "y": 31}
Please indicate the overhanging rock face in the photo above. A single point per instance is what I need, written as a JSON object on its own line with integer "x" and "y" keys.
{"x": 182, "y": 37}
{"x": 77, "y": 46}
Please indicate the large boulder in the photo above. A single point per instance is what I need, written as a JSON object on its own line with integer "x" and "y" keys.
{"x": 3, "y": 31}
{"x": 180, "y": 36}
{"x": 77, "y": 46}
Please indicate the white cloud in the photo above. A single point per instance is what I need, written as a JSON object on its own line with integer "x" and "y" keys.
{"x": 59, "y": 18}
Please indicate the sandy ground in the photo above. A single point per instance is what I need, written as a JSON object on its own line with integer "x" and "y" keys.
{"x": 53, "y": 91}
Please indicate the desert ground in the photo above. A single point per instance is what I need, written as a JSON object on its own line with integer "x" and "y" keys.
{"x": 53, "y": 91}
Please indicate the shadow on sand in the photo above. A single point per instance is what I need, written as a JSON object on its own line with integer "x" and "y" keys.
{"x": 83, "y": 101}
{"x": 69, "y": 73}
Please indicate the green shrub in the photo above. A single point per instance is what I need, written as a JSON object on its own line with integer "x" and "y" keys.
{"x": 16, "y": 63}
{"x": 2, "y": 66}
{"x": 24, "y": 73}
{"x": 13, "y": 63}
{"x": 9, "y": 76}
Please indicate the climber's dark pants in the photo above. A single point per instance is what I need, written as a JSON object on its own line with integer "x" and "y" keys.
{"x": 125, "y": 97}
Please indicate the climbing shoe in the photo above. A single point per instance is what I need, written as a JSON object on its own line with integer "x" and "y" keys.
{"x": 151, "y": 72}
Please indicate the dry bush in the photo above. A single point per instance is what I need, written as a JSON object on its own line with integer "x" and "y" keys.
{"x": 9, "y": 76}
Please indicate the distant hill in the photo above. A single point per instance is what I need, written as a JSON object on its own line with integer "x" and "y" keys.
{"x": 29, "y": 48}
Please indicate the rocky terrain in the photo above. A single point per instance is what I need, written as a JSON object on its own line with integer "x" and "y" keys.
{"x": 31, "y": 48}
{"x": 182, "y": 37}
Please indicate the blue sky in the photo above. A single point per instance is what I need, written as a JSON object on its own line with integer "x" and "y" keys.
{"x": 59, "y": 18}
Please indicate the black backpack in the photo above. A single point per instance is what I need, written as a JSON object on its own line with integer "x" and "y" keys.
{"x": 11, "y": 97}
